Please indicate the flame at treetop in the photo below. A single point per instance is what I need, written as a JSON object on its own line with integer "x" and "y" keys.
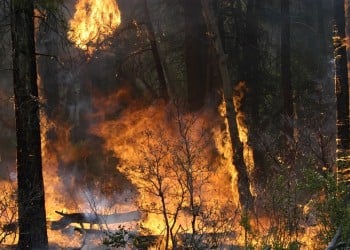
{"x": 93, "y": 22}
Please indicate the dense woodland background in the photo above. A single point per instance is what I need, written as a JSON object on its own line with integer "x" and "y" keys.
{"x": 262, "y": 73}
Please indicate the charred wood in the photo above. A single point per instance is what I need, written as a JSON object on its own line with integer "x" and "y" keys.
{"x": 93, "y": 219}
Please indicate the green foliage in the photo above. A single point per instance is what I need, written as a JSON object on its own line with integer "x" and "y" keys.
{"x": 122, "y": 237}
{"x": 248, "y": 230}
{"x": 144, "y": 242}
{"x": 281, "y": 207}
{"x": 244, "y": 222}
{"x": 116, "y": 239}
{"x": 326, "y": 199}
{"x": 294, "y": 245}
{"x": 49, "y": 5}
{"x": 331, "y": 206}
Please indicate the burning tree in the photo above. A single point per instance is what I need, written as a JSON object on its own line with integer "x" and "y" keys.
{"x": 173, "y": 171}
{"x": 156, "y": 175}
{"x": 230, "y": 113}
{"x": 189, "y": 157}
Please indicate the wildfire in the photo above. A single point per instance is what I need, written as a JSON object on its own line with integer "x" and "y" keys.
{"x": 149, "y": 133}
{"x": 93, "y": 22}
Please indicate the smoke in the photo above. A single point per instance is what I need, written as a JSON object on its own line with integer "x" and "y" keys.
{"x": 92, "y": 123}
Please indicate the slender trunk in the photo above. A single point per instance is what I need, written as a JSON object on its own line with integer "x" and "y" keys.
{"x": 341, "y": 89}
{"x": 323, "y": 79}
{"x": 155, "y": 52}
{"x": 245, "y": 195}
{"x": 31, "y": 200}
{"x": 286, "y": 75}
{"x": 347, "y": 32}
{"x": 194, "y": 211}
{"x": 249, "y": 69}
{"x": 250, "y": 74}
{"x": 321, "y": 30}
{"x": 347, "y": 35}
{"x": 166, "y": 219}
{"x": 195, "y": 53}
{"x": 48, "y": 67}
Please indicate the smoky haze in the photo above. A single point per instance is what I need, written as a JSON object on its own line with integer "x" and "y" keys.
{"x": 105, "y": 119}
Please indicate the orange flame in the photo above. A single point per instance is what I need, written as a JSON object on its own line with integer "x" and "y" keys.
{"x": 93, "y": 22}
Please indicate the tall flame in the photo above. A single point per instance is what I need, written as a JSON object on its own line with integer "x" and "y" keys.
{"x": 93, "y": 22}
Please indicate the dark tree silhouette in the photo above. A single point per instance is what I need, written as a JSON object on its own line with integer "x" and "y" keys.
{"x": 341, "y": 88}
{"x": 195, "y": 53}
{"x": 249, "y": 67}
{"x": 31, "y": 199}
{"x": 48, "y": 69}
{"x": 286, "y": 75}
{"x": 245, "y": 195}
{"x": 155, "y": 52}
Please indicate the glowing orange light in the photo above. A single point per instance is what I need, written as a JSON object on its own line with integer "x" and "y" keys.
{"x": 93, "y": 22}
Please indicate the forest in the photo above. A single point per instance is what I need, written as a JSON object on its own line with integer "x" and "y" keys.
{"x": 174, "y": 124}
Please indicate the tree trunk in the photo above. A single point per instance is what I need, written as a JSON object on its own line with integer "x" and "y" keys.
{"x": 31, "y": 200}
{"x": 249, "y": 66}
{"x": 195, "y": 53}
{"x": 245, "y": 195}
{"x": 347, "y": 31}
{"x": 155, "y": 52}
{"x": 48, "y": 67}
{"x": 286, "y": 75}
{"x": 321, "y": 31}
{"x": 341, "y": 90}
{"x": 250, "y": 74}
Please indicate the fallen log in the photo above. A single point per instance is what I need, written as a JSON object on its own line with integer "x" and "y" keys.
{"x": 93, "y": 219}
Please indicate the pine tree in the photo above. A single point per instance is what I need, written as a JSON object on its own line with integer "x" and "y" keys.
{"x": 31, "y": 197}
{"x": 341, "y": 90}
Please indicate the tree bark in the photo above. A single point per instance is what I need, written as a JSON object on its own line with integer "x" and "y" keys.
{"x": 245, "y": 195}
{"x": 195, "y": 53}
{"x": 250, "y": 74}
{"x": 249, "y": 66}
{"x": 347, "y": 32}
{"x": 321, "y": 31}
{"x": 31, "y": 200}
{"x": 155, "y": 52}
{"x": 341, "y": 89}
{"x": 286, "y": 75}
{"x": 48, "y": 67}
